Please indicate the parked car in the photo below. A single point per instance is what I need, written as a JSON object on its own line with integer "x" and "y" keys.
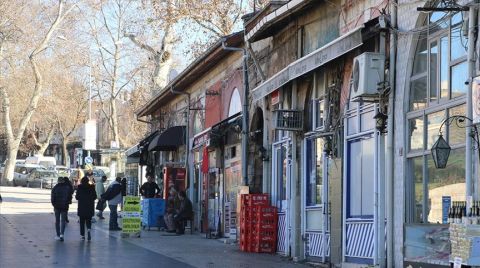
{"x": 74, "y": 176}
{"x": 62, "y": 171}
{"x": 22, "y": 172}
{"x": 42, "y": 178}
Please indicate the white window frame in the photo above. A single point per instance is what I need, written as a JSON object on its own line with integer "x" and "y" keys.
{"x": 316, "y": 114}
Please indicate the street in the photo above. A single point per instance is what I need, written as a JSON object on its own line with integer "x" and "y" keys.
{"x": 27, "y": 240}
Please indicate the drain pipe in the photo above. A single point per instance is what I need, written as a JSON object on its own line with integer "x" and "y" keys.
{"x": 244, "y": 112}
{"x": 390, "y": 137}
{"x": 187, "y": 141}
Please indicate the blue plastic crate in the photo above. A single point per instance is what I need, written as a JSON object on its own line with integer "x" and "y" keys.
{"x": 153, "y": 209}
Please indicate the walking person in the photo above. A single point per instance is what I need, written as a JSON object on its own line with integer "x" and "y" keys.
{"x": 86, "y": 206}
{"x": 124, "y": 191}
{"x": 69, "y": 183}
{"x": 61, "y": 197}
{"x": 91, "y": 182}
{"x": 114, "y": 197}
{"x": 100, "y": 189}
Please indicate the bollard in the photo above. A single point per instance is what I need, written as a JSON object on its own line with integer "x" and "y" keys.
{"x": 41, "y": 184}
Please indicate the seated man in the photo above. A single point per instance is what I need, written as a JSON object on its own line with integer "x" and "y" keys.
{"x": 173, "y": 205}
{"x": 184, "y": 213}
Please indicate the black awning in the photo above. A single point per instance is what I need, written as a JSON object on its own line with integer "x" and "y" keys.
{"x": 220, "y": 130}
{"x": 143, "y": 146}
{"x": 168, "y": 140}
{"x": 133, "y": 151}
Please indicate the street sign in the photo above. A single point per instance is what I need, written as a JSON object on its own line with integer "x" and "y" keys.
{"x": 131, "y": 220}
{"x": 88, "y": 160}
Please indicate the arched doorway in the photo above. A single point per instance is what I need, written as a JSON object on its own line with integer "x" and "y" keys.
{"x": 258, "y": 153}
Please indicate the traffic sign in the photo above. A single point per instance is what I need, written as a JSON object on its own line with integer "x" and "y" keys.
{"x": 88, "y": 160}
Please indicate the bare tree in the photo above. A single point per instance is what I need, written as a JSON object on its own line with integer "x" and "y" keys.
{"x": 13, "y": 138}
{"x": 116, "y": 68}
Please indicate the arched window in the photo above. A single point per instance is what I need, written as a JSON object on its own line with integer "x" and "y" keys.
{"x": 235, "y": 103}
{"x": 437, "y": 91}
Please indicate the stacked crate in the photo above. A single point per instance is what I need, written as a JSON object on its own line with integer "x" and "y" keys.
{"x": 152, "y": 209}
{"x": 258, "y": 224}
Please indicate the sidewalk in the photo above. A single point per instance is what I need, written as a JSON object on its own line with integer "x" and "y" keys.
{"x": 198, "y": 251}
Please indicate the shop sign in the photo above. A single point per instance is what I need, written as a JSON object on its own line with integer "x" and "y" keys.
{"x": 131, "y": 220}
{"x": 446, "y": 201}
{"x": 476, "y": 100}
{"x": 275, "y": 97}
{"x": 201, "y": 139}
{"x": 317, "y": 58}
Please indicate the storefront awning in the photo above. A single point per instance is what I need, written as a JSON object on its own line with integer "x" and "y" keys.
{"x": 220, "y": 129}
{"x": 168, "y": 140}
{"x": 317, "y": 58}
{"x": 133, "y": 151}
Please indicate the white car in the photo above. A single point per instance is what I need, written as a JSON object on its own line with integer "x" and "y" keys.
{"x": 21, "y": 173}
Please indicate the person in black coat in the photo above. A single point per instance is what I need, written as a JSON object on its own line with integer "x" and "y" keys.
{"x": 184, "y": 213}
{"x": 61, "y": 198}
{"x": 86, "y": 196}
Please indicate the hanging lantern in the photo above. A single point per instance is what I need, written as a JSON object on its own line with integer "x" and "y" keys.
{"x": 380, "y": 122}
{"x": 441, "y": 152}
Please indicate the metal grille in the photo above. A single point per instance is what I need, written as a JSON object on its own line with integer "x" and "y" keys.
{"x": 289, "y": 120}
{"x": 359, "y": 239}
{"x": 316, "y": 242}
{"x": 282, "y": 237}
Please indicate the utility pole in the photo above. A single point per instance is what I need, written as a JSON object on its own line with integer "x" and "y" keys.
{"x": 244, "y": 112}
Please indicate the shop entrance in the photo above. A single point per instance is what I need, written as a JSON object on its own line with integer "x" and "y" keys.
{"x": 281, "y": 177}
{"x": 316, "y": 191}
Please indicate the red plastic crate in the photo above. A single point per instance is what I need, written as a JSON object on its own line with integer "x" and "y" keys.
{"x": 263, "y": 247}
{"x": 244, "y": 246}
{"x": 254, "y": 200}
{"x": 265, "y": 211}
{"x": 263, "y": 235}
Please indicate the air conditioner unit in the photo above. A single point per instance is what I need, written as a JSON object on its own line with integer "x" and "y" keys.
{"x": 288, "y": 120}
{"x": 368, "y": 73}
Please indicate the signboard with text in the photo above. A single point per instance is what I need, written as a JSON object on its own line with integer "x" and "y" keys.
{"x": 90, "y": 135}
{"x": 131, "y": 220}
{"x": 476, "y": 100}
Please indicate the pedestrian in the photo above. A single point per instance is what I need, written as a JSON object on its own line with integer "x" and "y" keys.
{"x": 91, "y": 182}
{"x": 114, "y": 196}
{"x": 61, "y": 197}
{"x": 86, "y": 206}
{"x": 100, "y": 189}
{"x": 150, "y": 188}
{"x": 185, "y": 213}
{"x": 69, "y": 183}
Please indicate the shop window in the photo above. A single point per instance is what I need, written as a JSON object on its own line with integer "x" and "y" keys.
{"x": 443, "y": 52}
{"x": 314, "y": 170}
{"x": 318, "y": 115}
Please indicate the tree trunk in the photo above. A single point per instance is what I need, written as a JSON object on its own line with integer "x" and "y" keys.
{"x": 10, "y": 163}
{"x": 115, "y": 122}
{"x": 64, "y": 152}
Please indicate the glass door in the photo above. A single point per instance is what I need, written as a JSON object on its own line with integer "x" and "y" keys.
{"x": 281, "y": 166}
